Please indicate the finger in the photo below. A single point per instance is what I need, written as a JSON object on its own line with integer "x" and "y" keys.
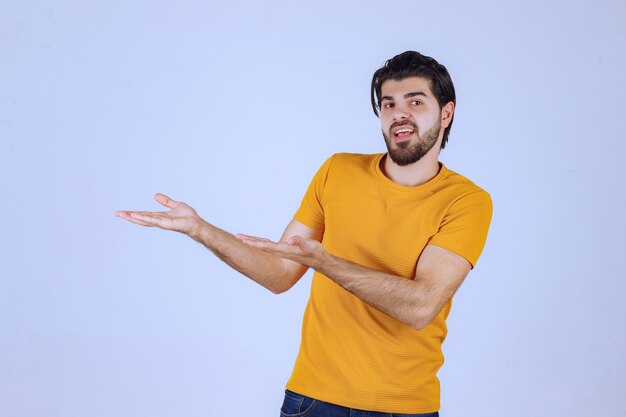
{"x": 241, "y": 236}
{"x": 295, "y": 240}
{"x": 152, "y": 219}
{"x": 276, "y": 247}
{"x": 126, "y": 215}
{"x": 252, "y": 242}
{"x": 166, "y": 201}
{"x": 150, "y": 213}
{"x": 143, "y": 213}
{"x": 300, "y": 243}
{"x": 264, "y": 244}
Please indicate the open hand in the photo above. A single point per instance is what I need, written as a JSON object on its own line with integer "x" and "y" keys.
{"x": 308, "y": 252}
{"x": 181, "y": 218}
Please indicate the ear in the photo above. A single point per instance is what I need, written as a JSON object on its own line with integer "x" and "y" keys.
{"x": 447, "y": 112}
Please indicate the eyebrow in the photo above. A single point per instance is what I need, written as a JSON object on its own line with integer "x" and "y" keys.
{"x": 407, "y": 95}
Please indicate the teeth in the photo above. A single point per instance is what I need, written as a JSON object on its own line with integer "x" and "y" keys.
{"x": 404, "y": 131}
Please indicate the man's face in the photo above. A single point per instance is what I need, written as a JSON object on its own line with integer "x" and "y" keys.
{"x": 410, "y": 118}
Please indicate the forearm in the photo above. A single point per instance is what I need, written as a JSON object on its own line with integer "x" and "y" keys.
{"x": 396, "y": 296}
{"x": 264, "y": 268}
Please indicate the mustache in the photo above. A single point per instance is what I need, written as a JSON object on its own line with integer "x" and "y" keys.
{"x": 403, "y": 123}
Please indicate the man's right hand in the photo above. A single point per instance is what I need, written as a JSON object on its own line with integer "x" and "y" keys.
{"x": 269, "y": 270}
{"x": 181, "y": 218}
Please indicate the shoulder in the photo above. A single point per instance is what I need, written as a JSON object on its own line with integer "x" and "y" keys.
{"x": 342, "y": 166}
{"x": 462, "y": 185}
{"x": 354, "y": 158}
{"x": 461, "y": 192}
{"x": 350, "y": 161}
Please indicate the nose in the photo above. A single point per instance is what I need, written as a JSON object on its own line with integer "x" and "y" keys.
{"x": 400, "y": 114}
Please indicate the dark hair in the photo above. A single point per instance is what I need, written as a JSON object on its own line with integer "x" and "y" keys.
{"x": 414, "y": 64}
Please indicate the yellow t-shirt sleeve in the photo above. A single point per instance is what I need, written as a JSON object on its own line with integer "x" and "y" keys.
{"x": 311, "y": 211}
{"x": 464, "y": 227}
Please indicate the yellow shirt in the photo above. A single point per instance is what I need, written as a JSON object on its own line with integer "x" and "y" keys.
{"x": 352, "y": 354}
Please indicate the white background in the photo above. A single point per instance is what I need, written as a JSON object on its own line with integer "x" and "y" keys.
{"x": 232, "y": 107}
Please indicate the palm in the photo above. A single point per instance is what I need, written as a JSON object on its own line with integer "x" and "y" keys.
{"x": 181, "y": 218}
{"x": 296, "y": 248}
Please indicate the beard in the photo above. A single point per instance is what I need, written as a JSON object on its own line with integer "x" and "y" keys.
{"x": 410, "y": 151}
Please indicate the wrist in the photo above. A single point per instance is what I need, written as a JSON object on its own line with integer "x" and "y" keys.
{"x": 201, "y": 232}
{"x": 322, "y": 261}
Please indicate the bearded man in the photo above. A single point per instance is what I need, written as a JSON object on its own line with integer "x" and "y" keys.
{"x": 390, "y": 237}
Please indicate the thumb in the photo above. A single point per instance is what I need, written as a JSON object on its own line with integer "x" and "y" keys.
{"x": 296, "y": 241}
{"x": 166, "y": 201}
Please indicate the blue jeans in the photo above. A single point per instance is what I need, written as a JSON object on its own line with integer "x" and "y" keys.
{"x": 298, "y": 405}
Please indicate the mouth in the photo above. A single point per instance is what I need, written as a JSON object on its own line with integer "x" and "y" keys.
{"x": 402, "y": 133}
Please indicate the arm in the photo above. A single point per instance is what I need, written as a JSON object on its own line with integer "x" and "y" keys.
{"x": 415, "y": 302}
{"x": 269, "y": 270}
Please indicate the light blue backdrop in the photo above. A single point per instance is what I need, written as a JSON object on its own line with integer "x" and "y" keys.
{"x": 231, "y": 107}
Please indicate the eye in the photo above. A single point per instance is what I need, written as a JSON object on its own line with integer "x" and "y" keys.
{"x": 416, "y": 102}
{"x": 387, "y": 105}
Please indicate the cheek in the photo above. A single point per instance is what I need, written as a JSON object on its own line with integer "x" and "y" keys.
{"x": 427, "y": 121}
{"x": 385, "y": 122}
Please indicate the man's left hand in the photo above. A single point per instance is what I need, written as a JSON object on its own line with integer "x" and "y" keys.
{"x": 308, "y": 252}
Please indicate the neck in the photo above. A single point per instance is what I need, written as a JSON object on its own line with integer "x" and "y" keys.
{"x": 414, "y": 174}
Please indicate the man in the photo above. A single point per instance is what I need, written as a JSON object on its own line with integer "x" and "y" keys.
{"x": 390, "y": 237}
